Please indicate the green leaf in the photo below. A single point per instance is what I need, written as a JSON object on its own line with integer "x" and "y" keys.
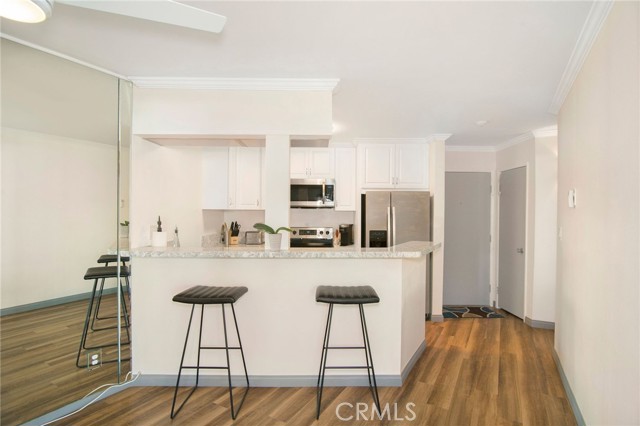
{"x": 269, "y": 230}
{"x": 265, "y": 228}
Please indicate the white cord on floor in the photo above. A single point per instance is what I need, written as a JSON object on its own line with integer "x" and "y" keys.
{"x": 111, "y": 386}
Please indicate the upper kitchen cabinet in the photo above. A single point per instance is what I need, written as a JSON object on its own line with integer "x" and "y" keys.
{"x": 393, "y": 165}
{"x": 345, "y": 177}
{"x": 232, "y": 178}
{"x": 215, "y": 178}
{"x": 311, "y": 163}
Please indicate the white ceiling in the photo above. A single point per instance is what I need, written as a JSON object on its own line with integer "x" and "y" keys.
{"x": 406, "y": 69}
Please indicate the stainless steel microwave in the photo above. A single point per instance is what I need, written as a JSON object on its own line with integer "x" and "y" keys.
{"x": 313, "y": 193}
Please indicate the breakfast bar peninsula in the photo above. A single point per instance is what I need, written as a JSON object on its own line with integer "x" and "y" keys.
{"x": 281, "y": 324}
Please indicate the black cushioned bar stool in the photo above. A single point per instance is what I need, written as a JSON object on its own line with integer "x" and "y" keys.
{"x": 204, "y": 295}
{"x": 106, "y": 259}
{"x": 95, "y": 274}
{"x": 346, "y": 295}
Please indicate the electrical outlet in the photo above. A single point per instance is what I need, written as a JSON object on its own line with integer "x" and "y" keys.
{"x": 94, "y": 359}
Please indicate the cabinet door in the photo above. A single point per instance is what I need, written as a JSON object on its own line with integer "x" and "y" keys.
{"x": 412, "y": 166}
{"x": 215, "y": 178}
{"x": 248, "y": 178}
{"x": 320, "y": 162}
{"x": 345, "y": 175}
{"x": 377, "y": 165}
{"x": 298, "y": 168}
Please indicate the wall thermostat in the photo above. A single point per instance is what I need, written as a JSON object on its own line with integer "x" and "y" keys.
{"x": 571, "y": 198}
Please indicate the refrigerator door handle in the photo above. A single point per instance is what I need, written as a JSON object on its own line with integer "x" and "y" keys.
{"x": 389, "y": 230}
{"x": 393, "y": 221}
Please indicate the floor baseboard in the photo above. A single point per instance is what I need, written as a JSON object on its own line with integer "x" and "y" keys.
{"x": 567, "y": 388}
{"x": 548, "y": 325}
{"x": 51, "y": 302}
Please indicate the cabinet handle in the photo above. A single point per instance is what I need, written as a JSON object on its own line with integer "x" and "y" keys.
{"x": 257, "y": 203}
{"x": 230, "y": 201}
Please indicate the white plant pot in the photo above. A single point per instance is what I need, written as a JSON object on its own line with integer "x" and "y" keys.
{"x": 158, "y": 239}
{"x": 274, "y": 241}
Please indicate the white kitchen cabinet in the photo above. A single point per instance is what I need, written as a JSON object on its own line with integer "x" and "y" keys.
{"x": 311, "y": 163}
{"x": 232, "y": 178}
{"x": 345, "y": 176}
{"x": 394, "y": 166}
{"x": 215, "y": 178}
{"x": 245, "y": 178}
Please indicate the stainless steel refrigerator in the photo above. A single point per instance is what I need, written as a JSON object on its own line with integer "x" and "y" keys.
{"x": 389, "y": 218}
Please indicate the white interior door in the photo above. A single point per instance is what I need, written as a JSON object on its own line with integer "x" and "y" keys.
{"x": 511, "y": 256}
{"x": 467, "y": 241}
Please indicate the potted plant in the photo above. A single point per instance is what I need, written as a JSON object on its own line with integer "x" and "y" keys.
{"x": 274, "y": 237}
{"x": 124, "y": 229}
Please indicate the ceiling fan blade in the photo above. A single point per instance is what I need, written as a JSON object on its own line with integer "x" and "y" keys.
{"x": 165, "y": 11}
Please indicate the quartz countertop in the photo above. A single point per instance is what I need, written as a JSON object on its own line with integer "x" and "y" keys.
{"x": 412, "y": 249}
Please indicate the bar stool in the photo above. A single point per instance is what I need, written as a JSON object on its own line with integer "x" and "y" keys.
{"x": 95, "y": 274}
{"x": 106, "y": 259}
{"x": 346, "y": 295}
{"x": 204, "y": 295}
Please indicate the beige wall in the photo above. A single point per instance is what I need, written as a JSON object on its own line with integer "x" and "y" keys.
{"x": 597, "y": 321}
{"x": 58, "y": 214}
{"x": 59, "y": 168}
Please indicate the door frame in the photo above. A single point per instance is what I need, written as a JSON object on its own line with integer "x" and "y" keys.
{"x": 528, "y": 243}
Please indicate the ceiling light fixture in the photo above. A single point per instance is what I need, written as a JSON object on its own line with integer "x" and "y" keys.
{"x": 481, "y": 122}
{"x": 29, "y": 11}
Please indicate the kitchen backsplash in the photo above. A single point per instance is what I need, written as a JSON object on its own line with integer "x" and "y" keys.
{"x": 319, "y": 217}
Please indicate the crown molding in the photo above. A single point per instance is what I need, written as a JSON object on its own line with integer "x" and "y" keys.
{"x": 358, "y": 141}
{"x": 439, "y": 137}
{"x": 590, "y": 30}
{"x": 515, "y": 141}
{"x": 61, "y": 55}
{"x": 469, "y": 148}
{"x": 546, "y": 132}
{"x": 431, "y": 138}
{"x": 207, "y": 83}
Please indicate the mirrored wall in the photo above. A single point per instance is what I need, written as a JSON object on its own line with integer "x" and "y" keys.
{"x": 64, "y": 177}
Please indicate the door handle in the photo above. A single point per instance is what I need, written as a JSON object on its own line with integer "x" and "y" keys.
{"x": 520, "y": 250}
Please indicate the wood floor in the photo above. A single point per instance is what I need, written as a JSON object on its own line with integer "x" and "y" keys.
{"x": 474, "y": 372}
{"x": 38, "y": 373}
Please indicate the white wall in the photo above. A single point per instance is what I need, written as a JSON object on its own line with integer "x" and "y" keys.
{"x": 166, "y": 182}
{"x": 58, "y": 213}
{"x": 436, "y": 187}
{"x": 597, "y": 336}
{"x": 231, "y": 112}
{"x": 543, "y": 295}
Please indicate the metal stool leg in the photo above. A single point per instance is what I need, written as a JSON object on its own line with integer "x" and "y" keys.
{"x": 184, "y": 351}
{"x": 365, "y": 337}
{"x": 83, "y": 339}
{"x": 234, "y": 414}
{"x": 226, "y": 347}
{"x": 323, "y": 361}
